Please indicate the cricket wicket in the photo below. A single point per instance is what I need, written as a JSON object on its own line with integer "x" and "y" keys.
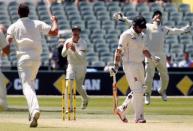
{"x": 68, "y": 89}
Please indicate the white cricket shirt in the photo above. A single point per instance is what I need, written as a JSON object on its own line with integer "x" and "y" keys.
{"x": 156, "y": 36}
{"x": 27, "y": 34}
{"x": 76, "y": 58}
{"x": 132, "y": 46}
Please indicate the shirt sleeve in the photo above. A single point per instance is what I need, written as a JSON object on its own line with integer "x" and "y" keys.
{"x": 10, "y": 31}
{"x": 174, "y": 31}
{"x": 123, "y": 41}
{"x": 83, "y": 45}
{"x": 146, "y": 38}
{"x": 81, "y": 54}
{"x": 43, "y": 27}
{"x": 129, "y": 22}
{"x": 64, "y": 50}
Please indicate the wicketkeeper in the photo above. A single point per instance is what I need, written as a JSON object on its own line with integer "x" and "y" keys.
{"x": 75, "y": 49}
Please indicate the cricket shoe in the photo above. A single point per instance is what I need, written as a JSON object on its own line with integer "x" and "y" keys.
{"x": 34, "y": 120}
{"x": 140, "y": 121}
{"x": 147, "y": 99}
{"x": 84, "y": 104}
{"x": 121, "y": 115}
{"x": 164, "y": 96}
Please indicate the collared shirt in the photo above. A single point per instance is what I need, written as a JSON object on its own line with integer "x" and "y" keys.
{"x": 27, "y": 35}
{"x": 132, "y": 46}
{"x": 79, "y": 56}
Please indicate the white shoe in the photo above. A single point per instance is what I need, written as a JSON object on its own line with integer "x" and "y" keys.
{"x": 121, "y": 115}
{"x": 164, "y": 96}
{"x": 34, "y": 120}
{"x": 71, "y": 110}
{"x": 147, "y": 99}
{"x": 84, "y": 104}
{"x": 140, "y": 121}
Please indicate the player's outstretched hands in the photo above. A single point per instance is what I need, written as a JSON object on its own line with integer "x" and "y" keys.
{"x": 113, "y": 70}
{"x": 188, "y": 28}
{"x": 156, "y": 59}
{"x": 119, "y": 16}
{"x": 71, "y": 46}
{"x": 54, "y": 19}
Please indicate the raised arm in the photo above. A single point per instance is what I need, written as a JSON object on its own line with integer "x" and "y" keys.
{"x": 3, "y": 44}
{"x": 54, "y": 28}
{"x": 119, "y": 16}
{"x": 177, "y": 31}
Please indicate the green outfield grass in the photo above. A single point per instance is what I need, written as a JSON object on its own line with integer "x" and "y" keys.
{"x": 177, "y": 114}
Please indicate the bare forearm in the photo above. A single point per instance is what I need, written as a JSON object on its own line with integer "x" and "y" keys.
{"x": 117, "y": 57}
{"x": 177, "y": 31}
{"x": 6, "y": 50}
{"x": 54, "y": 28}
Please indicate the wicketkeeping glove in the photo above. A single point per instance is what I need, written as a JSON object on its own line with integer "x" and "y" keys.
{"x": 187, "y": 29}
{"x": 119, "y": 16}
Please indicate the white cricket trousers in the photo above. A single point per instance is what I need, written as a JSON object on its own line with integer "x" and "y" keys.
{"x": 77, "y": 73}
{"x": 135, "y": 76}
{"x": 150, "y": 71}
{"x": 28, "y": 70}
{"x": 3, "y": 93}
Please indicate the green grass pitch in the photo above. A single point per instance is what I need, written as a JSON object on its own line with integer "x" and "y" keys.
{"x": 175, "y": 114}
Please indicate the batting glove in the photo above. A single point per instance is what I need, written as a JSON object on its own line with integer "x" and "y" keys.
{"x": 155, "y": 60}
{"x": 113, "y": 70}
{"x": 119, "y": 16}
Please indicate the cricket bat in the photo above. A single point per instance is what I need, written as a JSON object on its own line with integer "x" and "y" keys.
{"x": 115, "y": 96}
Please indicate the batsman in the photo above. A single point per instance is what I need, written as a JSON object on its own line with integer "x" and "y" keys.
{"x": 131, "y": 50}
{"x": 75, "y": 50}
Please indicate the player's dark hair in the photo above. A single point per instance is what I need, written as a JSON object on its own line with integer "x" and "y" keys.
{"x": 157, "y": 12}
{"x": 23, "y": 10}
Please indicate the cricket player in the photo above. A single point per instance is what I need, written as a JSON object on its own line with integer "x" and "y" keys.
{"x": 156, "y": 33}
{"x": 27, "y": 36}
{"x": 75, "y": 49}
{"x": 131, "y": 49}
{"x": 5, "y": 48}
